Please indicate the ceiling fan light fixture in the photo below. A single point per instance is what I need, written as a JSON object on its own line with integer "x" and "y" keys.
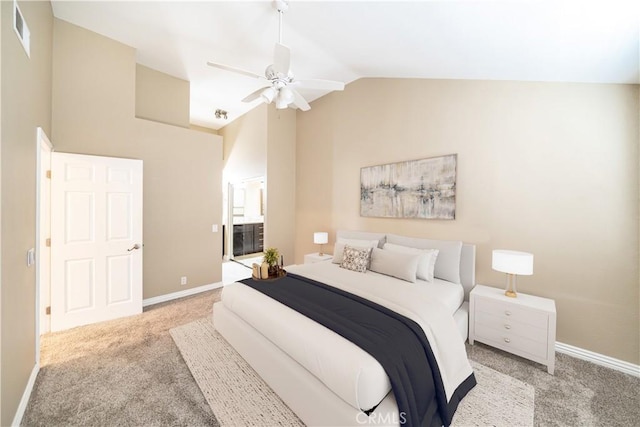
{"x": 284, "y": 98}
{"x": 286, "y": 95}
{"x": 281, "y": 104}
{"x": 278, "y": 75}
{"x": 268, "y": 94}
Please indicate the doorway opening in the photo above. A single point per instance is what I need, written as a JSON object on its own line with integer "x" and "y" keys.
{"x": 244, "y": 224}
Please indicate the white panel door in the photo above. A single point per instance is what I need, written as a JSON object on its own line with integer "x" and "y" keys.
{"x": 96, "y": 239}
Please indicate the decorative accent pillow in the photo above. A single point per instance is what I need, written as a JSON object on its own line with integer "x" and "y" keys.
{"x": 427, "y": 263}
{"x": 356, "y": 259}
{"x": 354, "y": 243}
{"x": 397, "y": 264}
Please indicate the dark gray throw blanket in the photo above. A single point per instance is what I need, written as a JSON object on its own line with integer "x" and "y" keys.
{"x": 399, "y": 344}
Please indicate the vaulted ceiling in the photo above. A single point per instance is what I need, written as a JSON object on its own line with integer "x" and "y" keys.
{"x": 551, "y": 41}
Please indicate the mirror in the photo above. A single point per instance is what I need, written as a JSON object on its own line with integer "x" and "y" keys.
{"x": 248, "y": 201}
{"x": 246, "y": 217}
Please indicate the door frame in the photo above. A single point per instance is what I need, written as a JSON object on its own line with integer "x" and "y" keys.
{"x": 229, "y": 228}
{"x": 43, "y": 282}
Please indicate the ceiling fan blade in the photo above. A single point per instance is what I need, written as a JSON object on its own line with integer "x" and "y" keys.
{"x": 234, "y": 70}
{"x": 299, "y": 101}
{"x": 281, "y": 59}
{"x": 320, "y": 84}
{"x": 254, "y": 95}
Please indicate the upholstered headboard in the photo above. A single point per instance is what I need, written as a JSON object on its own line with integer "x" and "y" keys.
{"x": 467, "y": 258}
{"x": 362, "y": 235}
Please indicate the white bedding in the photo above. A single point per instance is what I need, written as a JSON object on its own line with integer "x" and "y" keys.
{"x": 450, "y": 295}
{"x": 343, "y": 367}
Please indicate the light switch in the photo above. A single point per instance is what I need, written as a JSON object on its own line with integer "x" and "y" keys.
{"x": 31, "y": 257}
{"x": 214, "y": 228}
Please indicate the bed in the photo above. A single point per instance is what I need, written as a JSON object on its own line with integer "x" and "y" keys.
{"x": 324, "y": 378}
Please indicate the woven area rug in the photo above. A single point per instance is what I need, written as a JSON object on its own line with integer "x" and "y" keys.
{"x": 238, "y": 396}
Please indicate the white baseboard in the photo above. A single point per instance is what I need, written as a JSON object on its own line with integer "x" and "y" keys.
{"x": 181, "y": 294}
{"x": 17, "y": 419}
{"x": 599, "y": 359}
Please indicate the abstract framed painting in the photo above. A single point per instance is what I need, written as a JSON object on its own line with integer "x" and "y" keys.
{"x": 421, "y": 189}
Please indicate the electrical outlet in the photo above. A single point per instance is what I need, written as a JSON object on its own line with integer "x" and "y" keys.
{"x": 183, "y": 280}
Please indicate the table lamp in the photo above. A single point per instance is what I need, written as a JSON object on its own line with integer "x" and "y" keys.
{"x": 512, "y": 263}
{"x": 320, "y": 238}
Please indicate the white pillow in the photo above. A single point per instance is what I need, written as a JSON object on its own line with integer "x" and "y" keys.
{"x": 427, "y": 262}
{"x": 448, "y": 262}
{"x": 338, "y": 249}
{"x": 397, "y": 264}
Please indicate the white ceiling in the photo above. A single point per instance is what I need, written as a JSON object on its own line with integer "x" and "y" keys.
{"x": 556, "y": 41}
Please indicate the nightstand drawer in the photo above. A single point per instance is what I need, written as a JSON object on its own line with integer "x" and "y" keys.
{"x": 510, "y": 342}
{"x": 512, "y": 312}
{"x": 525, "y": 326}
{"x": 512, "y": 326}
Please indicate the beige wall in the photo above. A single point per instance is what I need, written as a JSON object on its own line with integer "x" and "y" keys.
{"x": 161, "y": 97}
{"x": 542, "y": 167}
{"x": 203, "y": 129}
{"x": 262, "y": 143}
{"x": 280, "y": 216}
{"x": 93, "y": 113}
{"x": 245, "y": 155}
{"x": 1, "y": 24}
{"x": 314, "y": 176}
{"x": 26, "y": 104}
{"x": 245, "y": 146}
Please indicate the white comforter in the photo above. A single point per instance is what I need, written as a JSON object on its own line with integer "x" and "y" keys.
{"x": 343, "y": 367}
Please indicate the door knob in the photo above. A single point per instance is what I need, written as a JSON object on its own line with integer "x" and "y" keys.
{"x": 136, "y": 246}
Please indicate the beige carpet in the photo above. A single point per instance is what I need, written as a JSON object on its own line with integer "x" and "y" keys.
{"x": 238, "y": 396}
{"x": 129, "y": 372}
{"x": 124, "y": 372}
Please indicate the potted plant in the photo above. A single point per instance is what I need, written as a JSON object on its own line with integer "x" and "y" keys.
{"x": 271, "y": 256}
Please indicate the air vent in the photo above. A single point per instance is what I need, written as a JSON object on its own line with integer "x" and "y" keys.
{"x": 21, "y": 28}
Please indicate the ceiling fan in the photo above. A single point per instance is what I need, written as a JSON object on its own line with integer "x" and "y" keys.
{"x": 280, "y": 83}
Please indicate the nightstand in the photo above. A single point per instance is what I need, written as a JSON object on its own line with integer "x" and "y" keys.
{"x": 524, "y": 326}
{"x": 316, "y": 257}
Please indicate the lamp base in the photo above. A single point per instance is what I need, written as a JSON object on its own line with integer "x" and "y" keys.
{"x": 510, "y": 291}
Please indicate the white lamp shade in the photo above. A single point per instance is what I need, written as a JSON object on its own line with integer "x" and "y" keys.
{"x": 280, "y": 103}
{"x": 286, "y": 95}
{"x": 512, "y": 262}
{"x": 284, "y": 98}
{"x": 268, "y": 94}
{"x": 320, "y": 237}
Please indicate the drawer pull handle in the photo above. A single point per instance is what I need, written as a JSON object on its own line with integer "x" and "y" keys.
{"x": 507, "y": 326}
{"x": 508, "y": 313}
{"x": 507, "y": 340}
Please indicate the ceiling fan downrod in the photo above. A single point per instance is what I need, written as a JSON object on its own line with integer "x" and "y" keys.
{"x": 281, "y": 6}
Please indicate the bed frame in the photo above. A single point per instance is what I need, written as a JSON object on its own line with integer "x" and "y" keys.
{"x": 307, "y": 396}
